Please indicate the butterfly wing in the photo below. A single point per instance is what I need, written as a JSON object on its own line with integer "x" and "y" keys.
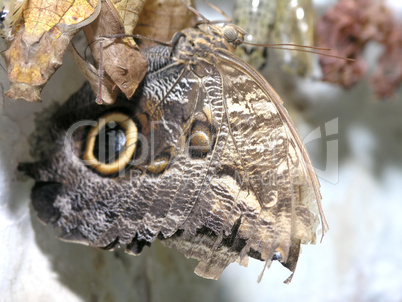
{"x": 264, "y": 199}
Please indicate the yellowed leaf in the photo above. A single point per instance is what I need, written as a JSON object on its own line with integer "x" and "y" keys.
{"x": 129, "y": 11}
{"x": 41, "y": 16}
{"x": 161, "y": 19}
{"x": 39, "y": 45}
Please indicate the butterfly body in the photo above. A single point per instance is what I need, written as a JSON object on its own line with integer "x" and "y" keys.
{"x": 218, "y": 171}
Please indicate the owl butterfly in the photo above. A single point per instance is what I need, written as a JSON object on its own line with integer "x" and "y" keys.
{"x": 276, "y": 22}
{"x": 204, "y": 157}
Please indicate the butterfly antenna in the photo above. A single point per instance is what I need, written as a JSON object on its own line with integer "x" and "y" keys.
{"x": 195, "y": 12}
{"x": 286, "y": 44}
{"x": 213, "y": 6}
{"x": 101, "y": 73}
{"x": 137, "y": 37}
{"x": 298, "y": 47}
{"x": 317, "y": 53}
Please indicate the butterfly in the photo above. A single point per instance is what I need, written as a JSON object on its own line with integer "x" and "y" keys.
{"x": 204, "y": 158}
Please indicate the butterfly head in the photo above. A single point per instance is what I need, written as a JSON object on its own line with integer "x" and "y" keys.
{"x": 203, "y": 40}
{"x": 232, "y": 34}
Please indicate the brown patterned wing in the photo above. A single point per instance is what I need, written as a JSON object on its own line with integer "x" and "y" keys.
{"x": 163, "y": 199}
{"x": 262, "y": 200}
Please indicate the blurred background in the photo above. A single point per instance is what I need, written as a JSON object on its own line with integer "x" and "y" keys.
{"x": 355, "y": 142}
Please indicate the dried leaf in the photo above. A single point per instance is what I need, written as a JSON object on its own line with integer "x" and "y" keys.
{"x": 38, "y": 47}
{"x": 107, "y": 90}
{"x": 129, "y": 11}
{"x": 161, "y": 19}
{"x": 122, "y": 59}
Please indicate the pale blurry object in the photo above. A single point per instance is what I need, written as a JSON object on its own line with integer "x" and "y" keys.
{"x": 257, "y": 18}
{"x": 346, "y": 29}
{"x": 276, "y": 22}
{"x": 294, "y": 25}
{"x": 11, "y": 11}
{"x": 388, "y": 75}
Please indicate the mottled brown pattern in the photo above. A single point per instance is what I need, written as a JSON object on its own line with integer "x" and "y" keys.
{"x": 253, "y": 194}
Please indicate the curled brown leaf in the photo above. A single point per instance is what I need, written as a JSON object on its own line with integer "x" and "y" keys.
{"x": 122, "y": 60}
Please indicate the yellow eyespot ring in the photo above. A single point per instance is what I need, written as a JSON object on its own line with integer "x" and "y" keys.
{"x": 131, "y": 132}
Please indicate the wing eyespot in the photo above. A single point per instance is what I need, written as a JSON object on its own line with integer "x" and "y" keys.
{"x": 158, "y": 165}
{"x": 200, "y": 139}
{"x": 111, "y": 143}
